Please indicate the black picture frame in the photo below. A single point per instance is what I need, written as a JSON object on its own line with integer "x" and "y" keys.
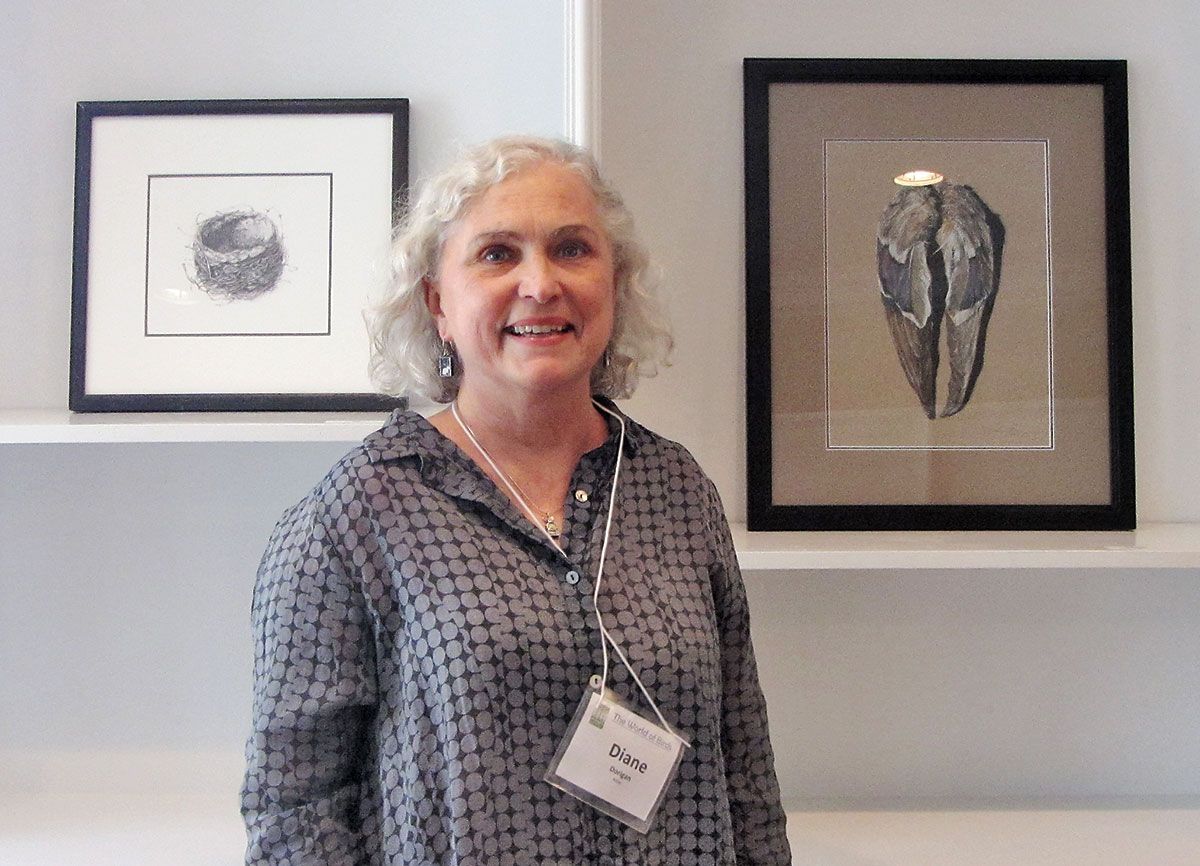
{"x": 163, "y": 316}
{"x": 817, "y": 114}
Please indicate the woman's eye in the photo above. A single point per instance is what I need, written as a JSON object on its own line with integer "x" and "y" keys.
{"x": 495, "y": 255}
{"x": 573, "y": 249}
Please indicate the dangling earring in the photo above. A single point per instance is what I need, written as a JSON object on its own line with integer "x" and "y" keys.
{"x": 445, "y": 361}
{"x": 607, "y": 361}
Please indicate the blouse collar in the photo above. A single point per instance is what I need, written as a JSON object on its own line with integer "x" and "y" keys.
{"x": 409, "y": 434}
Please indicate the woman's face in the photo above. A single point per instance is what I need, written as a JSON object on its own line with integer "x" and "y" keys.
{"x": 525, "y": 288}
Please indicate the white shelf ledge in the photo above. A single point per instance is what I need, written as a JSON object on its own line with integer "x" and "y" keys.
{"x": 58, "y": 426}
{"x": 1108, "y": 837}
{"x": 148, "y": 808}
{"x": 1155, "y": 545}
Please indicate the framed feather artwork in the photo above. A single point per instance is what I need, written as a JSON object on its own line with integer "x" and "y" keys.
{"x": 938, "y": 305}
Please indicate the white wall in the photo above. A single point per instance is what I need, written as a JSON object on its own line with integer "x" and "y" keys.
{"x": 671, "y": 136}
{"x": 125, "y": 571}
{"x": 963, "y": 689}
{"x": 125, "y": 580}
{"x": 935, "y": 686}
{"x": 471, "y": 71}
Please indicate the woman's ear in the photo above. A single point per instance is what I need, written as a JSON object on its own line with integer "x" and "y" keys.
{"x": 433, "y": 302}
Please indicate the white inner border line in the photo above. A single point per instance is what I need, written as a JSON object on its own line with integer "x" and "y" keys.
{"x": 829, "y": 446}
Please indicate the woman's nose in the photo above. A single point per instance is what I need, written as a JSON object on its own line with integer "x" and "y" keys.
{"x": 538, "y": 280}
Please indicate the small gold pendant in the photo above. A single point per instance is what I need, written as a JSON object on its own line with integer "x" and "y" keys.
{"x": 551, "y": 527}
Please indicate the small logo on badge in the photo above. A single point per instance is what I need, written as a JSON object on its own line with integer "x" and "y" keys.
{"x": 599, "y": 715}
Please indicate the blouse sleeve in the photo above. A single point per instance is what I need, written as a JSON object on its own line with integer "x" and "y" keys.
{"x": 759, "y": 823}
{"x": 314, "y": 692}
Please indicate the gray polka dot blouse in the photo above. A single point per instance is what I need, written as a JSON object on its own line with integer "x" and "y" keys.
{"x": 421, "y": 649}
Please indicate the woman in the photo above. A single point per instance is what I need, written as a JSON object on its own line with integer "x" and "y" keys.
{"x": 426, "y": 618}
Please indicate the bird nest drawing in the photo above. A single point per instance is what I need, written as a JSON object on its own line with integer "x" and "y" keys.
{"x": 238, "y": 255}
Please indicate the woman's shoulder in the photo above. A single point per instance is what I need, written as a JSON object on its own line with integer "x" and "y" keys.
{"x": 654, "y": 446}
{"x": 328, "y": 517}
{"x": 663, "y": 459}
{"x": 391, "y": 454}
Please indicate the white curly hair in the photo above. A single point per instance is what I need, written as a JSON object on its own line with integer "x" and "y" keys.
{"x": 404, "y": 338}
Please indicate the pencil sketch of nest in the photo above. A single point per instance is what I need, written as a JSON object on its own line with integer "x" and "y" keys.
{"x": 239, "y": 255}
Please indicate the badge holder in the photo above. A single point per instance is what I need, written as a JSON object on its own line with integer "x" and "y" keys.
{"x": 615, "y": 760}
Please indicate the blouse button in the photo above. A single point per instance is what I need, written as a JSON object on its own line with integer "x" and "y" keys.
{"x": 581, "y": 496}
{"x": 572, "y": 577}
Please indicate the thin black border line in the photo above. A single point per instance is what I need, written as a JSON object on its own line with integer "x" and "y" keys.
{"x": 329, "y": 294}
{"x": 1045, "y": 143}
{"x": 246, "y": 174}
{"x": 1111, "y": 76}
{"x": 85, "y": 114}
{"x": 240, "y": 334}
{"x": 146, "y": 280}
{"x": 329, "y": 277}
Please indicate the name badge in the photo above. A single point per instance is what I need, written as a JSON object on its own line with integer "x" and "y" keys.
{"x": 615, "y": 760}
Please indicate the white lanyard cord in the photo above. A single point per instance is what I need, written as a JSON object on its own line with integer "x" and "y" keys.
{"x": 605, "y": 638}
{"x": 503, "y": 476}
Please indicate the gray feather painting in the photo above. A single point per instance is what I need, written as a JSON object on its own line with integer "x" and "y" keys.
{"x": 938, "y": 254}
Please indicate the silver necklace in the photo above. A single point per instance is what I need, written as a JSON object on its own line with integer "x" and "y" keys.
{"x": 545, "y": 520}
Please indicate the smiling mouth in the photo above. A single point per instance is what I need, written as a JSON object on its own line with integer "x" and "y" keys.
{"x": 536, "y": 330}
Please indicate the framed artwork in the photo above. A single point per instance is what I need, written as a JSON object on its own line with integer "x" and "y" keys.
{"x": 225, "y": 250}
{"x": 938, "y": 315}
